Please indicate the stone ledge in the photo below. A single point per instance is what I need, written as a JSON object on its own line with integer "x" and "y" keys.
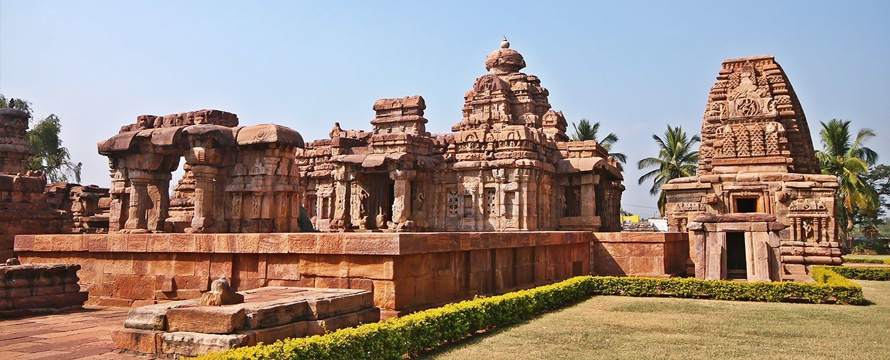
{"x": 639, "y": 237}
{"x": 296, "y": 243}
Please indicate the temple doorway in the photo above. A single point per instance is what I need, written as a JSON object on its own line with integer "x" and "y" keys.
{"x": 736, "y": 264}
{"x": 380, "y": 199}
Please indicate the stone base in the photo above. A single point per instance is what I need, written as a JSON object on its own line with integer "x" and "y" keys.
{"x": 653, "y": 254}
{"x": 183, "y": 328}
{"x": 39, "y": 289}
{"x": 405, "y": 271}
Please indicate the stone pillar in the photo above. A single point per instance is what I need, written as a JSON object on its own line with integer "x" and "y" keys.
{"x": 137, "y": 219}
{"x": 401, "y": 205}
{"x": 204, "y": 219}
{"x": 716, "y": 261}
{"x": 158, "y": 190}
{"x": 588, "y": 195}
{"x": 120, "y": 204}
{"x": 761, "y": 247}
{"x": 340, "y": 220}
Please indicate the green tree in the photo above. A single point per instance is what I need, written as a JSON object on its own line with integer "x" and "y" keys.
{"x": 677, "y": 157}
{"x": 50, "y": 156}
{"x": 847, "y": 158}
{"x": 584, "y": 130}
{"x": 870, "y": 223}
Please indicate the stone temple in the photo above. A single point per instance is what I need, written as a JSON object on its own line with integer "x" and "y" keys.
{"x": 507, "y": 165}
{"x": 266, "y": 236}
{"x": 758, "y": 208}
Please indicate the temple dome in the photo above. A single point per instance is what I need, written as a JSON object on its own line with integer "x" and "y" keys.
{"x": 504, "y": 60}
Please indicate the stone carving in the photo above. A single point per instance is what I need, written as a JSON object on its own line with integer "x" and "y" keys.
{"x": 221, "y": 293}
{"x": 237, "y": 179}
{"x": 806, "y": 204}
{"x": 758, "y": 174}
{"x": 486, "y": 175}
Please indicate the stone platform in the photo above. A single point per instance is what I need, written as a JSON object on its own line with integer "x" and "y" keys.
{"x": 654, "y": 254}
{"x": 267, "y": 314}
{"x": 39, "y": 289}
{"x": 405, "y": 271}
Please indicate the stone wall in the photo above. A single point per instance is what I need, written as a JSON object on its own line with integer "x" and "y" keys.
{"x": 30, "y": 289}
{"x": 406, "y": 271}
{"x": 639, "y": 253}
{"x": 24, "y": 210}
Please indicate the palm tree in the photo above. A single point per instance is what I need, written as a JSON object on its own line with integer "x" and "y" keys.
{"x": 849, "y": 160}
{"x": 584, "y": 130}
{"x": 676, "y": 158}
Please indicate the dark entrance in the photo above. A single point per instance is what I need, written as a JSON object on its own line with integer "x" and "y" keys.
{"x": 746, "y": 205}
{"x": 736, "y": 266}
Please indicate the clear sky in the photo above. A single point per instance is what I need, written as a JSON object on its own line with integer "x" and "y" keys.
{"x": 633, "y": 66}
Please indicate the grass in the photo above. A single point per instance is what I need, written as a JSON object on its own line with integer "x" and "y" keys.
{"x": 608, "y": 327}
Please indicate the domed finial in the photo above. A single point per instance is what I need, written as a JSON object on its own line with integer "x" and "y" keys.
{"x": 505, "y": 44}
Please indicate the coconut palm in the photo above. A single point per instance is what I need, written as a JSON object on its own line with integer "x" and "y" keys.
{"x": 676, "y": 158}
{"x": 584, "y": 130}
{"x": 848, "y": 159}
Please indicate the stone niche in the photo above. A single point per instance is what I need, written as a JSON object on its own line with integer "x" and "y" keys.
{"x": 507, "y": 165}
{"x": 758, "y": 208}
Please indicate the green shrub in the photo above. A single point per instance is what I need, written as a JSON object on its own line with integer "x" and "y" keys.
{"x": 863, "y": 273}
{"x": 426, "y": 330}
{"x": 862, "y": 260}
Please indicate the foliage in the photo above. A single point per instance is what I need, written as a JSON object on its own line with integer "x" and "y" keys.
{"x": 848, "y": 159}
{"x": 50, "y": 157}
{"x": 872, "y": 224}
{"x": 426, "y": 330}
{"x": 676, "y": 158}
{"x": 865, "y": 260}
{"x": 584, "y": 130}
{"x": 864, "y": 273}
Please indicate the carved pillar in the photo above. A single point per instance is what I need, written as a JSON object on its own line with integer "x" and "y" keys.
{"x": 401, "y": 205}
{"x": 137, "y": 220}
{"x": 205, "y": 215}
{"x": 120, "y": 204}
{"x": 158, "y": 191}
{"x": 340, "y": 220}
{"x": 588, "y": 195}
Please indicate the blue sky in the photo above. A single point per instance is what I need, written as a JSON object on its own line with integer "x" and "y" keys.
{"x": 633, "y": 66}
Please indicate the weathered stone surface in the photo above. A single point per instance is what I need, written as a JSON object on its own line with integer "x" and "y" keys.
{"x": 206, "y": 319}
{"x": 194, "y": 344}
{"x": 272, "y": 313}
{"x": 758, "y": 176}
{"x": 220, "y": 293}
{"x": 33, "y": 289}
{"x": 507, "y": 165}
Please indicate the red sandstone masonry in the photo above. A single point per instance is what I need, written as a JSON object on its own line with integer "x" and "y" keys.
{"x": 639, "y": 253}
{"x": 406, "y": 271}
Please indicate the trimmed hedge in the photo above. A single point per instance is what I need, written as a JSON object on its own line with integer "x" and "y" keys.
{"x": 862, "y": 260}
{"x": 426, "y": 330}
{"x": 863, "y": 273}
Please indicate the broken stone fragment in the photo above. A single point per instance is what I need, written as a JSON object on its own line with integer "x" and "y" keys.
{"x": 220, "y": 293}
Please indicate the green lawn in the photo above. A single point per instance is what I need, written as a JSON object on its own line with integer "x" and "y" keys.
{"x": 608, "y": 327}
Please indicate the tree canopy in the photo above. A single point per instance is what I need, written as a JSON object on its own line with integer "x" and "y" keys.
{"x": 50, "y": 157}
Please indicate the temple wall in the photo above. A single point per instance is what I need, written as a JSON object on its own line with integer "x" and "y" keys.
{"x": 406, "y": 271}
{"x": 639, "y": 253}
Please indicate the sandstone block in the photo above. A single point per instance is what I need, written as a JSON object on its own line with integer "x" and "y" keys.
{"x": 206, "y": 319}
{"x": 193, "y": 344}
